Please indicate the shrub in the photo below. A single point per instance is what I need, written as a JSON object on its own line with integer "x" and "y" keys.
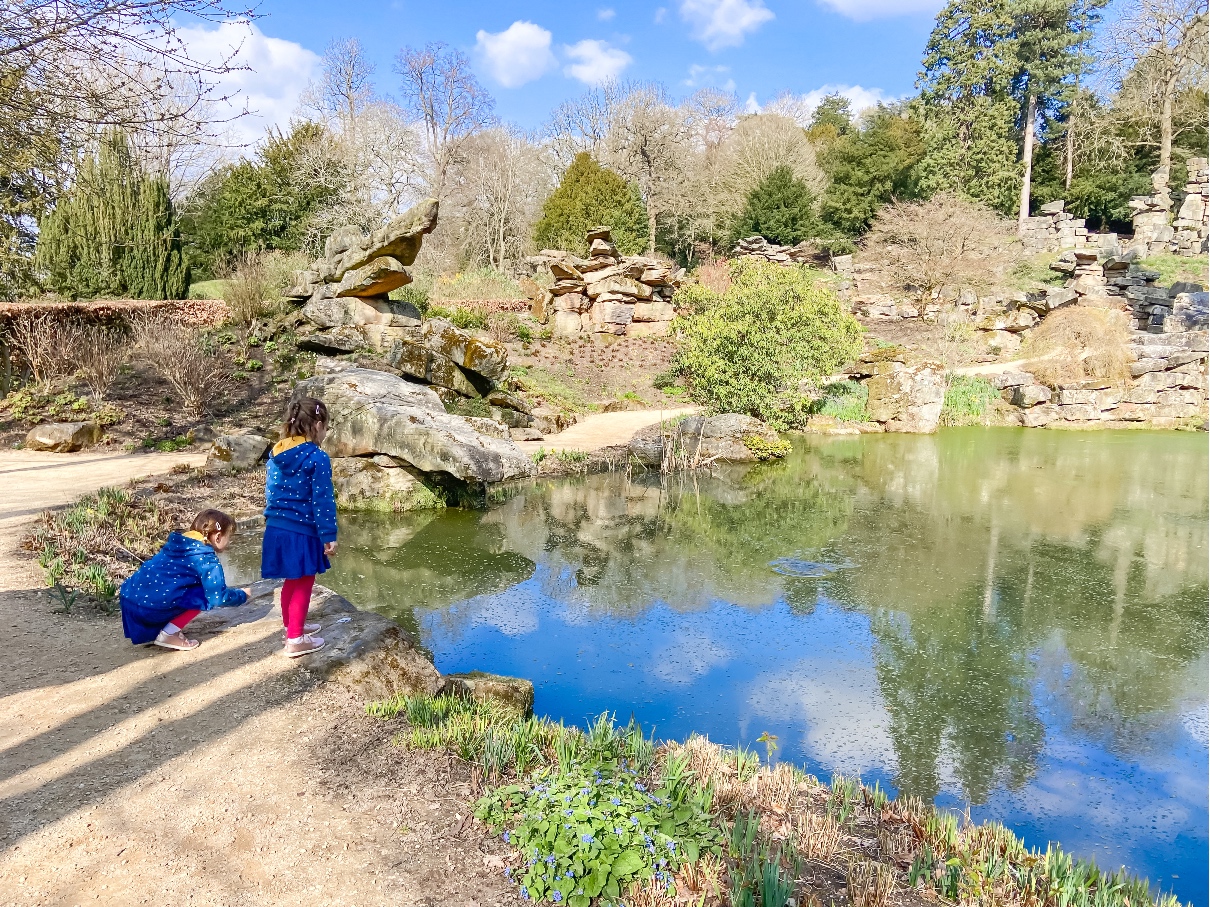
{"x": 188, "y": 359}
{"x": 591, "y": 196}
{"x": 766, "y": 450}
{"x": 945, "y": 241}
{"x": 467, "y": 319}
{"x": 98, "y": 353}
{"x": 247, "y": 291}
{"x": 40, "y": 340}
{"x": 967, "y": 400}
{"x": 751, "y": 350}
{"x": 481, "y": 283}
{"x": 1078, "y": 342}
{"x": 779, "y": 208}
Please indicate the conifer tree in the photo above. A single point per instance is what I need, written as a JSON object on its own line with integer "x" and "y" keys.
{"x": 589, "y": 195}
{"x": 780, "y": 208}
{"x": 114, "y": 233}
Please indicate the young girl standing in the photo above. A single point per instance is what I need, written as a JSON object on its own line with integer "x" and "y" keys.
{"x": 300, "y": 519}
{"x": 183, "y": 579}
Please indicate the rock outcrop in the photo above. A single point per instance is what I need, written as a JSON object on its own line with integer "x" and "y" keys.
{"x": 701, "y": 440}
{"x": 906, "y": 393}
{"x": 345, "y": 308}
{"x": 759, "y": 247}
{"x": 373, "y": 412}
{"x": 606, "y": 293}
{"x": 62, "y": 437}
{"x": 236, "y": 453}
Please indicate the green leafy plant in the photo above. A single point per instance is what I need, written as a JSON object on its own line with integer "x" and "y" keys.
{"x": 844, "y": 401}
{"x": 967, "y": 400}
{"x": 753, "y": 347}
{"x": 467, "y": 319}
{"x": 766, "y": 450}
{"x": 588, "y": 196}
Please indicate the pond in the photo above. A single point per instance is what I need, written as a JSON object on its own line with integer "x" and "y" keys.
{"x": 1009, "y": 621}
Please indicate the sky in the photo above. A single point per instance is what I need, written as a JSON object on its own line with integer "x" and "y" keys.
{"x": 533, "y": 55}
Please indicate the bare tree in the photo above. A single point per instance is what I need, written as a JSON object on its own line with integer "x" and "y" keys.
{"x": 648, "y": 142}
{"x": 1156, "y": 51}
{"x": 759, "y": 143}
{"x": 711, "y": 115}
{"x": 503, "y": 184}
{"x": 346, "y": 84}
{"x": 441, "y": 92}
{"x": 945, "y": 241}
{"x": 584, "y": 123}
{"x": 82, "y": 65}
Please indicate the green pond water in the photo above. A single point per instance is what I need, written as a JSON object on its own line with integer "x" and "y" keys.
{"x": 1006, "y": 620}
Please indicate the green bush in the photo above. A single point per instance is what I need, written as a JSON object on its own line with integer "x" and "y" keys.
{"x": 779, "y": 208}
{"x": 967, "y": 400}
{"x": 591, "y": 196}
{"x": 467, "y": 319}
{"x": 844, "y": 401}
{"x": 752, "y": 348}
{"x": 766, "y": 450}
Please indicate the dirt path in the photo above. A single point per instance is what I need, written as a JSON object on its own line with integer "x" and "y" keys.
{"x": 31, "y": 481}
{"x": 222, "y": 776}
{"x": 604, "y": 430}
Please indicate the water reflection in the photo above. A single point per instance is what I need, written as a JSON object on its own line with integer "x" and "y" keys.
{"x": 1015, "y": 620}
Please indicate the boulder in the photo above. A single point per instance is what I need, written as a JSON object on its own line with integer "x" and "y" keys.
{"x": 400, "y": 239}
{"x": 236, "y": 453}
{"x": 907, "y": 398}
{"x": 333, "y": 342}
{"x": 379, "y": 483}
{"x": 62, "y": 437}
{"x": 512, "y": 692}
{"x": 700, "y": 439}
{"x": 374, "y": 412}
{"x": 1026, "y": 395}
{"x": 475, "y": 354}
{"x": 1005, "y": 380}
{"x": 1037, "y": 416}
{"x": 377, "y": 278}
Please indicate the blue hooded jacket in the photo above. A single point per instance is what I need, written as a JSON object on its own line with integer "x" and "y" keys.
{"x": 183, "y": 575}
{"x": 298, "y": 490}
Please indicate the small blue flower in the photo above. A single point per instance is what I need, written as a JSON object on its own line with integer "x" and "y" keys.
{"x": 638, "y": 786}
{"x": 556, "y": 896}
{"x": 550, "y": 859}
{"x": 672, "y": 846}
{"x": 569, "y": 874}
{"x": 567, "y": 812}
{"x": 615, "y": 801}
{"x": 587, "y": 839}
{"x": 507, "y": 839}
{"x": 634, "y": 820}
{"x": 524, "y": 893}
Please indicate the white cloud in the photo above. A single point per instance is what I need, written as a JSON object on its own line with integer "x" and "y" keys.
{"x": 709, "y": 75}
{"x": 691, "y": 654}
{"x": 723, "y": 23}
{"x": 595, "y": 61}
{"x": 277, "y": 73}
{"x": 864, "y": 10}
{"x": 519, "y": 54}
{"x": 751, "y": 105}
{"x": 800, "y": 107}
{"x": 660, "y": 15}
{"x": 606, "y": 13}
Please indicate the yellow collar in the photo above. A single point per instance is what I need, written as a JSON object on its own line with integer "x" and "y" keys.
{"x": 195, "y": 535}
{"x": 286, "y": 443}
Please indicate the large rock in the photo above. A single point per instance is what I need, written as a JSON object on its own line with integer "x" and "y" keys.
{"x": 379, "y": 483}
{"x": 377, "y": 278}
{"x": 374, "y": 412}
{"x": 906, "y": 397}
{"x": 400, "y": 239}
{"x": 475, "y": 354}
{"x": 512, "y": 692}
{"x": 63, "y": 437}
{"x": 236, "y": 453}
{"x": 727, "y": 438}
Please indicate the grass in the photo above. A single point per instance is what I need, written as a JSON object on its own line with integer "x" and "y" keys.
{"x": 481, "y": 283}
{"x": 467, "y": 319}
{"x": 844, "y": 401}
{"x": 540, "y": 382}
{"x": 100, "y": 540}
{"x": 967, "y": 400}
{"x": 1028, "y": 273}
{"x": 1175, "y": 267}
{"x": 208, "y": 289}
{"x": 742, "y": 830}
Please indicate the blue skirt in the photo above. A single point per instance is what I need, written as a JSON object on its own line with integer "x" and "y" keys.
{"x": 291, "y": 555}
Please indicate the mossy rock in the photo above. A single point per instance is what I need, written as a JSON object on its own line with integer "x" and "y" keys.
{"x": 514, "y": 692}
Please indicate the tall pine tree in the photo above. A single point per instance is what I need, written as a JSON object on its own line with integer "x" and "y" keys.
{"x": 780, "y": 208}
{"x": 114, "y": 233}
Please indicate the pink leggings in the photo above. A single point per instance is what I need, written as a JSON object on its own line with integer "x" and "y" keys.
{"x": 295, "y": 600}
{"x": 182, "y": 619}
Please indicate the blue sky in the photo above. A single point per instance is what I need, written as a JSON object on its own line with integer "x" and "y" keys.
{"x": 533, "y": 55}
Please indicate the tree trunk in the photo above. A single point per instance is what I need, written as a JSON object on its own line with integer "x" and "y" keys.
{"x": 1027, "y": 156}
{"x": 650, "y": 228}
{"x": 1166, "y": 125}
{"x": 1071, "y": 153}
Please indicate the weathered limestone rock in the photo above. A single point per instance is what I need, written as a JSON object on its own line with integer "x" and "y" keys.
{"x": 512, "y": 692}
{"x": 479, "y": 355}
{"x": 345, "y": 339}
{"x": 379, "y": 483}
{"x": 236, "y": 453}
{"x": 377, "y": 278}
{"x": 62, "y": 437}
{"x": 906, "y": 397}
{"x": 374, "y": 412}
{"x": 400, "y": 239}
{"x": 1029, "y": 395}
{"x": 701, "y": 439}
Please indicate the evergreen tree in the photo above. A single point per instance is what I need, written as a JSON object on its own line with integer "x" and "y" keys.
{"x": 589, "y": 195}
{"x": 780, "y": 208}
{"x": 114, "y": 233}
{"x": 832, "y": 118}
{"x": 869, "y": 167}
{"x": 966, "y": 106}
{"x": 264, "y": 203}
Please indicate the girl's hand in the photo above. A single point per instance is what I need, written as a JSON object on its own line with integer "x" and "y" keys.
{"x": 329, "y": 548}
{"x": 247, "y": 590}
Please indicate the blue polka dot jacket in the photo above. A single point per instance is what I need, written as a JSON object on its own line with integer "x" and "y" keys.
{"x": 298, "y": 490}
{"x": 183, "y": 575}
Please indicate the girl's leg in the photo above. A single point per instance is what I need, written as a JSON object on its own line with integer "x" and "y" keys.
{"x": 295, "y": 600}
{"x": 179, "y": 622}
